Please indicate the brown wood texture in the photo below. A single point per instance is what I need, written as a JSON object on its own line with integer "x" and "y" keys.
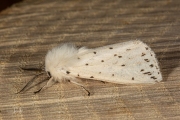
{"x": 30, "y": 28}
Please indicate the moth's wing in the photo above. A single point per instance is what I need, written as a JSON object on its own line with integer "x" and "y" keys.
{"x": 128, "y": 62}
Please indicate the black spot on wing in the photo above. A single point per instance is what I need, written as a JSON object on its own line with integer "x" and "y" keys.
{"x": 120, "y": 56}
{"x": 153, "y": 77}
{"x": 132, "y": 78}
{"x": 110, "y": 47}
{"x": 67, "y": 72}
{"x": 123, "y": 65}
{"x": 86, "y": 64}
{"x": 147, "y": 60}
{"x": 147, "y": 73}
{"x": 102, "y": 60}
{"x": 151, "y": 65}
{"x": 143, "y": 54}
{"x": 142, "y": 70}
{"x": 115, "y": 54}
{"x": 91, "y": 77}
{"x": 94, "y": 52}
{"x": 112, "y": 74}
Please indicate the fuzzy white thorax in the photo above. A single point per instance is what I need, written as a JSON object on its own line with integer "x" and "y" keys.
{"x": 59, "y": 59}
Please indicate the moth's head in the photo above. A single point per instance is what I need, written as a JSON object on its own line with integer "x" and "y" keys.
{"x": 60, "y": 57}
{"x": 51, "y": 62}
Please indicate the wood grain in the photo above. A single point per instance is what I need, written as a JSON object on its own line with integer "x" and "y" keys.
{"x": 30, "y": 28}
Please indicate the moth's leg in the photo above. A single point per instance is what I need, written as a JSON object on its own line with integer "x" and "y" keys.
{"x": 77, "y": 82}
{"x": 48, "y": 84}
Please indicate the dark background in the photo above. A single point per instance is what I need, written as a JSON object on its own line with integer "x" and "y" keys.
{"x": 7, "y": 3}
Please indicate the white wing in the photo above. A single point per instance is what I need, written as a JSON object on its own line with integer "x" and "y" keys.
{"x": 128, "y": 62}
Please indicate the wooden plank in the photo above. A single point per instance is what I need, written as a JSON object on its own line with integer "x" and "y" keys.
{"x": 29, "y": 29}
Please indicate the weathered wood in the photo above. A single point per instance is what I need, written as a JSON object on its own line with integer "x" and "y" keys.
{"x": 30, "y": 28}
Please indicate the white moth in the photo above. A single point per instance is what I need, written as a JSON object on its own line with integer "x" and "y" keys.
{"x": 121, "y": 63}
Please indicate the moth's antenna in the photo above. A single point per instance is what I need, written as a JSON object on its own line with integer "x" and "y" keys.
{"x": 30, "y": 82}
{"x": 32, "y": 69}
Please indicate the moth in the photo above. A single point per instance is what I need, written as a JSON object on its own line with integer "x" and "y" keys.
{"x": 122, "y": 63}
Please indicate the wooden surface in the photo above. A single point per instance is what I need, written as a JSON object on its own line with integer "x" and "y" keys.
{"x": 30, "y": 28}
